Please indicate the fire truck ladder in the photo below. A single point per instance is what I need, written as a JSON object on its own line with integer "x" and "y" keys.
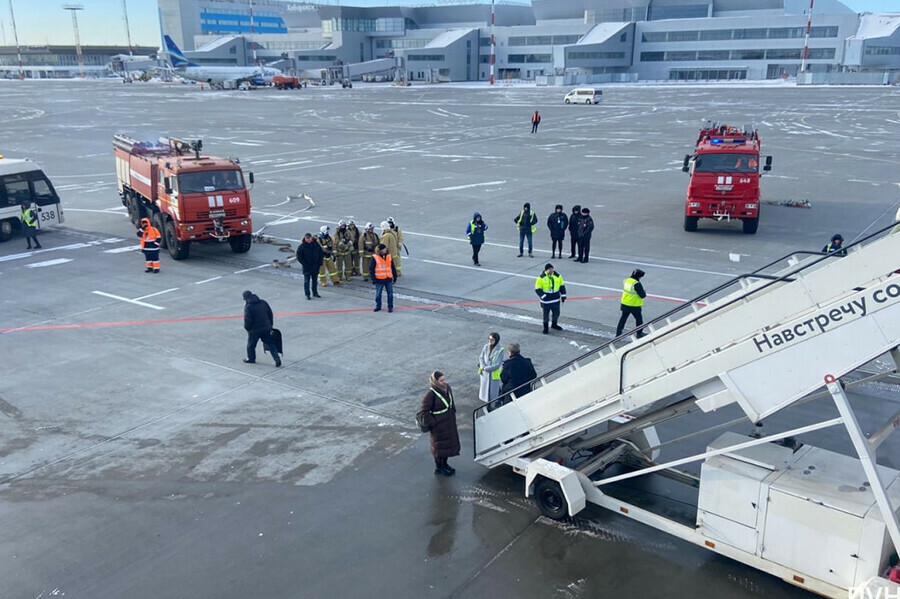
{"x": 760, "y": 340}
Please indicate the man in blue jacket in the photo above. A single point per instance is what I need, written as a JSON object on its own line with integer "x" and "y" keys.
{"x": 475, "y": 231}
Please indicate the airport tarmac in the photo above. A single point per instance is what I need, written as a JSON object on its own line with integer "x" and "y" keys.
{"x": 141, "y": 458}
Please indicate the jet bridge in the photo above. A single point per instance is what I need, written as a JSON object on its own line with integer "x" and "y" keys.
{"x": 762, "y": 341}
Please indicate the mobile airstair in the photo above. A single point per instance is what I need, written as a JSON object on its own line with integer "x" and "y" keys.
{"x": 762, "y": 341}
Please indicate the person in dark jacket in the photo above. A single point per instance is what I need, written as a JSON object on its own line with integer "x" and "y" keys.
{"x": 526, "y": 222}
{"x": 258, "y": 322}
{"x": 517, "y": 373}
{"x": 475, "y": 231}
{"x": 441, "y": 409}
{"x": 383, "y": 273}
{"x": 557, "y": 222}
{"x": 28, "y": 218}
{"x": 310, "y": 257}
{"x": 535, "y": 121}
{"x": 585, "y": 230}
{"x": 836, "y": 246}
{"x": 574, "y": 220}
{"x": 633, "y": 295}
{"x": 551, "y": 288}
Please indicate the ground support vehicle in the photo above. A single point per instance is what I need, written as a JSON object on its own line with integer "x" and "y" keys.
{"x": 725, "y": 175}
{"x": 24, "y": 181}
{"x": 187, "y": 196}
{"x": 285, "y": 82}
{"x": 819, "y": 520}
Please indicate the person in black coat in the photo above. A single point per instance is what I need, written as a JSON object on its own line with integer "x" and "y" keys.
{"x": 557, "y": 222}
{"x": 440, "y": 410}
{"x": 585, "y": 230}
{"x": 258, "y": 322}
{"x": 574, "y": 219}
{"x": 310, "y": 257}
{"x": 517, "y": 373}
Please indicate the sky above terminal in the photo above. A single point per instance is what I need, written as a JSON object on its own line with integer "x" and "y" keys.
{"x": 101, "y": 22}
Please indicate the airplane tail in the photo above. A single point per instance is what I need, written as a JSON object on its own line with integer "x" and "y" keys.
{"x": 176, "y": 56}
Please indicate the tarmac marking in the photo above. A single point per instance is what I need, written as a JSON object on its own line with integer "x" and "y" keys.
{"x": 130, "y": 248}
{"x": 208, "y": 280}
{"x": 237, "y": 272}
{"x": 48, "y": 263}
{"x": 457, "y": 187}
{"x": 157, "y": 293}
{"x": 130, "y": 301}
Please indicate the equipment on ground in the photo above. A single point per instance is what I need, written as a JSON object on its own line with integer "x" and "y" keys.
{"x": 763, "y": 342}
{"x": 187, "y": 196}
{"x": 725, "y": 174}
{"x": 285, "y": 82}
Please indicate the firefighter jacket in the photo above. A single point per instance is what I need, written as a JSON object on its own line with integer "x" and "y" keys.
{"x": 354, "y": 237}
{"x": 368, "y": 241}
{"x": 389, "y": 238}
{"x": 550, "y": 287}
{"x": 327, "y": 244}
{"x": 343, "y": 242}
{"x": 633, "y": 293}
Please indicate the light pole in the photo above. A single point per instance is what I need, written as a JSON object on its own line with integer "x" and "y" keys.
{"x": 74, "y": 8}
{"x": 12, "y": 15}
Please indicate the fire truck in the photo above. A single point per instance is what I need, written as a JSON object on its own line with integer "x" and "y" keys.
{"x": 725, "y": 176}
{"x": 187, "y": 196}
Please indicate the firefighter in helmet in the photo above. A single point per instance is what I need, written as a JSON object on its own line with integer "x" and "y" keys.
{"x": 368, "y": 242}
{"x": 343, "y": 245}
{"x": 354, "y": 246}
{"x": 327, "y": 269}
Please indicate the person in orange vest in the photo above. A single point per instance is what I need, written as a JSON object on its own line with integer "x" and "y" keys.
{"x": 383, "y": 274}
{"x": 535, "y": 121}
{"x": 150, "y": 238}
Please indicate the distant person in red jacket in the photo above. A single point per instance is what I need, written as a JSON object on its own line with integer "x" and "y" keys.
{"x": 535, "y": 121}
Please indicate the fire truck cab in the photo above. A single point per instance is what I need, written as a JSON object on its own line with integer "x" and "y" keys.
{"x": 725, "y": 172}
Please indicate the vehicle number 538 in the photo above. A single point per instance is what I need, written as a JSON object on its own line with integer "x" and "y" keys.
{"x": 48, "y": 215}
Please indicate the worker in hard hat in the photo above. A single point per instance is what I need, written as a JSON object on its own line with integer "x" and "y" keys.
{"x": 150, "y": 239}
{"x": 354, "y": 247}
{"x": 327, "y": 269}
{"x": 343, "y": 245}
{"x": 633, "y": 295}
{"x": 368, "y": 241}
{"x": 391, "y": 239}
{"x": 835, "y": 246}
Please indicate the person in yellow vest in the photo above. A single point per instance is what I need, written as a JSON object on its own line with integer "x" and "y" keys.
{"x": 490, "y": 364}
{"x": 327, "y": 269}
{"x": 383, "y": 276}
{"x": 440, "y": 413}
{"x": 368, "y": 241}
{"x": 29, "y": 225}
{"x": 551, "y": 288}
{"x": 150, "y": 244}
{"x": 633, "y": 295}
{"x": 527, "y": 225}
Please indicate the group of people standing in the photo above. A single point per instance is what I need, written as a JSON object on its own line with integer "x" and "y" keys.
{"x": 348, "y": 253}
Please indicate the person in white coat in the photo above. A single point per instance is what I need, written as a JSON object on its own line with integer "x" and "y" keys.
{"x": 489, "y": 363}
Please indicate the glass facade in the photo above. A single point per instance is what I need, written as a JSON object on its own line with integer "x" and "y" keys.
{"x": 707, "y": 74}
{"x": 528, "y": 58}
{"x": 596, "y": 55}
{"x": 772, "y": 33}
{"x": 541, "y": 40}
{"x": 752, "y": 54}
{"x": 401, "y": 43}
{"x": 425, "y": 57}
{"x": 882, "y": 50}
{"x": 225, "y": 22}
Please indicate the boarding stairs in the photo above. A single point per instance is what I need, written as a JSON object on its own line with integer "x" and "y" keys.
{"x": 761, "y": 340}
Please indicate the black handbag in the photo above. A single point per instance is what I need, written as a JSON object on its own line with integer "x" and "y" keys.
{"x": 425, "y": 420}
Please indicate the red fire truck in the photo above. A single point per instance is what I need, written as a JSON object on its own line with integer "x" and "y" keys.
{"x": 725, "y": 176}
{"x": 187, "y": 196}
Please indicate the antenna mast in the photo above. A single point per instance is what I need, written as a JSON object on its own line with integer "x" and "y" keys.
{"x": 12, "y": 15}
{"x": 74, "y": 8}
{"x": 127, "y": 28}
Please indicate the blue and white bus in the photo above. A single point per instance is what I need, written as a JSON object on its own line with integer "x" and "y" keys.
{"x": 24, "y": 181}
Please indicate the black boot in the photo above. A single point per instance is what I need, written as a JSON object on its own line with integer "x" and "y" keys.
{"x": 437, "y": 466}
{"x": 448, "y": 469}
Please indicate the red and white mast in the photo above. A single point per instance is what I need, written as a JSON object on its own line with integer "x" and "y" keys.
{"x": 806, "y": 38}
{"x": 12, "y": 16}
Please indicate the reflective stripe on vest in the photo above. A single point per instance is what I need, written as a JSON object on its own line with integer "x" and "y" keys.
{"x": 530, "y": 214}
{"x": 549, "y": 283}
{"x": 383, "y": 267}
{"x": 446, "y": 403}
{"x": 496, "y": 374}
{"x": 629, "y": 297}
{"x": 28, "y": 218}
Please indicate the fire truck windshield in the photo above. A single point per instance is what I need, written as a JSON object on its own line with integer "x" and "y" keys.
{"x": 727, "y": 163}
{"x": 207, "y": 181}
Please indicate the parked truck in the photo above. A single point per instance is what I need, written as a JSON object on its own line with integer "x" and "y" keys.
{"x": 189, "y": 197}
{"x": 724, "y": 170}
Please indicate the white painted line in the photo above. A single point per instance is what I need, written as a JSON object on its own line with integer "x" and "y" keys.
{"x": 22, "y": 255}
{"x": 368, "y": 168}
{"x": 130, "y": 248}
{"x": 245, "y": 143}
{"x": 456, "y": 187}
{"x": 48, "y": 263}
{"x": 157, "y": 293}
{"x": 293, "y": 163}
{"x": 605, "y": 156}
{"x": 125, "y": 299}
{"x": 237, "y": 272}
{"x": 208, "y": 280}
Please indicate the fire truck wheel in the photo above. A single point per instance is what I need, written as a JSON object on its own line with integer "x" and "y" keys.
{"x": 550, "y": 499}
{"x": 750, "y": 225}
{"x": 690, "y": 223}
{"x": 241, "y": 244}
{"x": 6, "y": 230}
{"x": 179, "y": 250}
{"x": 134, "y": 211}
{"x": 158, "y": 222}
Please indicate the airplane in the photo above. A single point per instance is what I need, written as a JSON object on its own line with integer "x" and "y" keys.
{"x": 218, "y": 76}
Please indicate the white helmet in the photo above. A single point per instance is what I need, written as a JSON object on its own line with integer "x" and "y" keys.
{"x": 370, "y": 226}
{"x": 342, "y": 223}
{"x": 390, "y": 220}
{"x": 324, "y": 229}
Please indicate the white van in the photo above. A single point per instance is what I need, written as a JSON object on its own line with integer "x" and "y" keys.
{"x": 23, "y": 181}
{"x": 584, "y": 95}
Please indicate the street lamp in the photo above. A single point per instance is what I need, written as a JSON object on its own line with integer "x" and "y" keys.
{"x": 74, "y": 8}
